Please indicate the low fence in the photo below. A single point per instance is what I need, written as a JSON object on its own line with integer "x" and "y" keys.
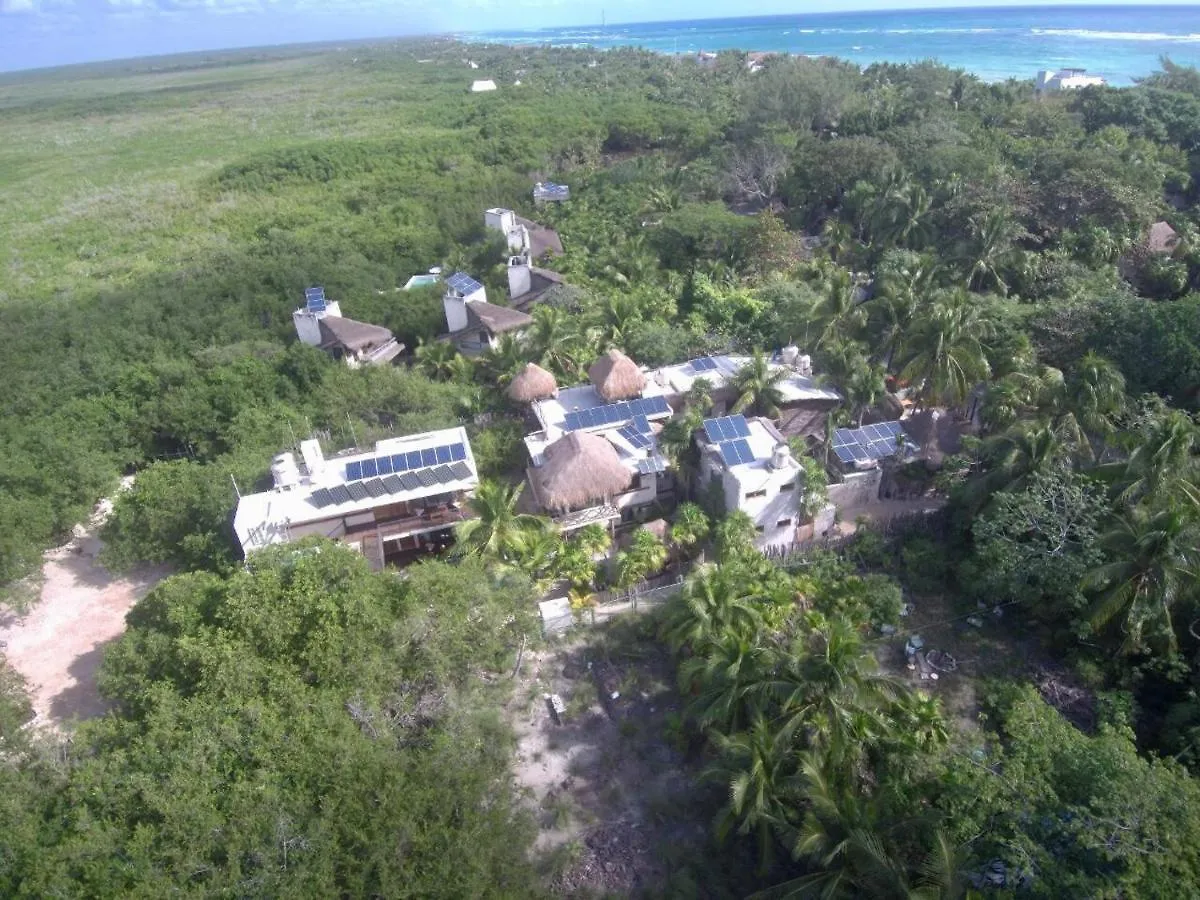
{"x": 557, "y": 615}
{"x": 933, "y": 524}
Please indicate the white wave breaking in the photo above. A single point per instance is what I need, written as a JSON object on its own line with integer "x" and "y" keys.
{"x": 1088, "y": 34}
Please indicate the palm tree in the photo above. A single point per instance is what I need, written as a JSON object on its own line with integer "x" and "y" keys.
{"x": 945, "y": 353}
{"x": 614, "y": 316}
{"x": 690, "y": 529}
{"x": 576, "y": 565}
{"x": 1016, "y": 455}
{"x": 840, "y": 314}
{"x": 715, "y": 604}
{"x": 436, "y": 359}
{"x": 900, "y": 291}
{"x": 497, "y": 530}
{"x": 536, "y": 554}
{"x": 991, "y": 249}
{"x": 1155, "y": 569}
{"x": 550, "y": 339}
{"x": 592, "y": 539}
{"x": 837, "y": 238}
{"x": 1164, "y": 457}
{"x": 757, "y": 386}
{"x": 718, "y": 683}
{"x": 645, "y": 556}
{"x": 759, "y": 766}
{"x": 1097, "y": 395}
{"x": 507, "y": 357}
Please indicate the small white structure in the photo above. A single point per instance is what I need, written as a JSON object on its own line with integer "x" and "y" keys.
{"x": 404, "y": 497}
{"x": 1049, "y": 82}
{"x": 474, "y": 325}
{"x": 479, "y": 87}
{"x": 527, "y": 241}
{"x": 549, "y": 192}
{"x": 752, "y": 462}
{"x": 320, "y": 323}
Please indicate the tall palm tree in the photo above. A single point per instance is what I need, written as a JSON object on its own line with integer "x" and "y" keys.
{"x": 756, "y": 385}
{"x": 497, "y": 530}
{"x": 759, "y": 767}
{"x": 504, "y": 360}
{"x": 945, "y": 354}
{"x": 436, "y": 359}
{"x": 645, "y": 556}
{"x": 1155, "y": 569}
{"x": 718, "y": 683}
{"x": 690, "y": 529}
{"x": 550, "y": 338}
{"x": 1097, "y": 395}
{"x": 715, "y": 604}
{"x": 840, "y": 314}
{"x": 1164, "y": 457}
{"x": 901, "y": 290}
{"x": 1016, "y": 455}
{"x": 991, "y": 249}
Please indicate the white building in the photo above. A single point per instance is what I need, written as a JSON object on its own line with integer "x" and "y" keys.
{"x": 549, "y": 192}
{"x": 473, "y": 324}
{"x": 1066, "y": 80}
{"x": 483, "y": 85}
{"x": 752, "y": 462}
{"x": 393, "y": 503}
{"x": 597, "y": 459}
{"x": 320, "y": 323}
{"x": 806, "y": 404}
{"x": 527, "y": 242}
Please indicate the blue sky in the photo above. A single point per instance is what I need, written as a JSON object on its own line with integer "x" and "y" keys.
{"x": 53, "y": 32}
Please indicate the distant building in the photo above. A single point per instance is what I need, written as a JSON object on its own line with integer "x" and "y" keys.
{"x": 756, "y": 62}
{"x": 473, "y": 324}
{"x": 751, "y": 461}
{"x": 596, "y": 457}
{"x": 479, "y": 87}
{"x": 393, "y": 504}
{"x": 527, "y": 242}
{"x": 806, "y": 404}
{"x": 319, "y": 323}
{"x": 1066, "y": 80}
{"x": 549, "y": 192}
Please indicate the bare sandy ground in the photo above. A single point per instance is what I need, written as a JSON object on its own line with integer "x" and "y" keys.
{"x": 59, "y": 644}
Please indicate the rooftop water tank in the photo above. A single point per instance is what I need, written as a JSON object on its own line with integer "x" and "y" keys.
{"x": 285, "y": 472}
{"x": 782, "y": 457}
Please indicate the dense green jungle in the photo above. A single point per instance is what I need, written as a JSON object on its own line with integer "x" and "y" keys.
{"x": 295, "y": 725}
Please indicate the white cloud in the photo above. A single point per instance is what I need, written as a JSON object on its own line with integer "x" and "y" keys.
{"x": 18, "y": 6}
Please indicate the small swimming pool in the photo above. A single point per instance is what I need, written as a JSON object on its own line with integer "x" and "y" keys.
{"x": 420, "y": 281}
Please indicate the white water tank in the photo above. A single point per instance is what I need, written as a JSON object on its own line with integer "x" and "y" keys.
{"x": 782, "y": 457}
{"x": 285, "y": 472}
{"x": 804, "y": 365}
{"x": 314, "y": 459}
{"x": 789, "y": 354}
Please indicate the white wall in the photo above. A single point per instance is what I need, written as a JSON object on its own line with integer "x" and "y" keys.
{"x": 456, "y": 312}
{"x": 519, "y": 277}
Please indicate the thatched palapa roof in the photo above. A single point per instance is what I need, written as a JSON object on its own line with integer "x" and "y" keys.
{"x": 616, "y": 377}
{"x": 532, "y": 383}
{"x": 496, "y": 319}
{"x": 337, "y": 331}
{"x": 580, "y": 469}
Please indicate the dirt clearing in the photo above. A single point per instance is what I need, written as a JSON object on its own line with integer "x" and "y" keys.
{"x": 59, "y": 644}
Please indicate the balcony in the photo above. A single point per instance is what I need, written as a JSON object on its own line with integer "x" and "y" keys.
{"x": 429, "y": 519}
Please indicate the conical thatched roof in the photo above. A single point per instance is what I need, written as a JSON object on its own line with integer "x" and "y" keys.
{"x": 580, "y": 469}
{"x": 616, "y": 377}
{"x": 532, "y": 383}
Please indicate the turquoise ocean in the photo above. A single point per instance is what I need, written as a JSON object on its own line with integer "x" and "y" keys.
{"x": 1119, "y": 43}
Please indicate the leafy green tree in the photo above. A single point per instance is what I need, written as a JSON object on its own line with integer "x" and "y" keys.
{"x": 690, "y": 529}
{"x": 944, "y": 354}
{"x": 756, "y": 386}
{"x": 645, "y": 556}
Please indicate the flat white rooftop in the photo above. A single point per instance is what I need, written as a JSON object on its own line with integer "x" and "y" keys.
{"x": 719, "y": 372}
{"x": 747, "y": 455}
{"x": 398, "y": 469}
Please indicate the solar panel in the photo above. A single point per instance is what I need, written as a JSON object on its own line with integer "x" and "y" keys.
{"x": 399, "y": 462}
{"x": 354, "y": 471}
{"x": 425, "y": 477}
{"x": 442, "y": 454}
{"x": 649, "y": 466}
{"x": 635, "y": 438}
{"x": 375, "y": 487}
{"x": 736, "y": 452}
{"x": 458, "y": 452}
{"x": 428, "y": 458}
{"x": 712, "y": 431}
{"x": 314, "y": 299}
{"x": 339, "y": 494}
{"x": 461, "y": 471}
{"x": 739, "y": 425}
{"x": 393, "y": 484}
{"x": 443, "y": 474}
{"x": 642, "y": 424}
{"x": 707, "y": 364}
{"x": 357, "y": 491}
{"x": 413, "y": 458}
{"x": 370, "y": 468}
{"x": 410, "y": 481}
{"x": 653, "y": 406}
{"x": 385, "y": 464}
{"x": 463, "y": 283}
{"x": 571, "y": 421}
{"x": 320, "y": 498}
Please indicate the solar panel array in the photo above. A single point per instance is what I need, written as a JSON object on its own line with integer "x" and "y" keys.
{"x": 726, "y": 429}
{"x": 653, "y": 465}
{"x": 405, "y": 462}
{"x": 395, "y": 483}
{"x": 707, "y": 364}
{"x": 314, "y": 299}
{"x": 736, "y": 453}
{"x": 635, "y": 438}
{"x": 616, "y": 413}
{"x": 463, "y": 283}
{"x": 871, "y": 442}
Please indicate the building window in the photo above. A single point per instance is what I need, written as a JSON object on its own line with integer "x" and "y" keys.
{"x": 755, "y": 495}
{"x": 760, "y": 528}
{"x": 784, "y": 523}
{"x": 790, "y": 486}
